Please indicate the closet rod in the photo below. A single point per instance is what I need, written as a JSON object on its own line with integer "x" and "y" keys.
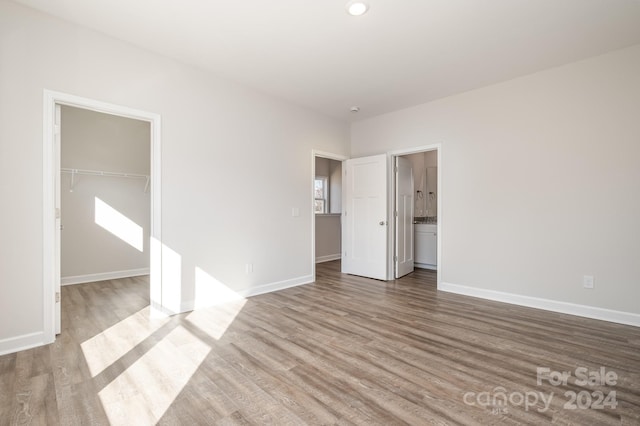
{"x": 75, "y": 172}
{"x": 103, "y": 173}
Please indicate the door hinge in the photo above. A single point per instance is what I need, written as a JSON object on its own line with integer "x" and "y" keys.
{"x": 396, "y": 213}
{"x": 57, "y": 297}
{"x": 395, "y": 258}
{"x": 57, "y": 213}
{"x": 396, "y": 169}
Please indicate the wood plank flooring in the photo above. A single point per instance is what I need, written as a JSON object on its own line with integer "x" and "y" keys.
{"x": 345, "y": 350}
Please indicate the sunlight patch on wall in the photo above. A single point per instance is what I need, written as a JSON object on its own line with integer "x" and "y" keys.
{"x": 222, "y": 305}
{"x": 103, "y": 349}
{"x": 144, "y": 392}
{"x": 171, "y": 280}
{"x": 118, "y": 224}
{"x": 211, "y": 292}
{"x": 155, "y": 278}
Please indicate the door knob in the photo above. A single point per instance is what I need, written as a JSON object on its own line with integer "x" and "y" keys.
{"x": 382, "y": 223}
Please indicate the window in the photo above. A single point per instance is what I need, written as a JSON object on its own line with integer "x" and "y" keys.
{"x": 320, "y": 194}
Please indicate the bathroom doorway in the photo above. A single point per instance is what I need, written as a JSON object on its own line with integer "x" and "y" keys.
{"x": 420, "y": 241}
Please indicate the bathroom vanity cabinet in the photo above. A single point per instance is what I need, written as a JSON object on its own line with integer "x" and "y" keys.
{"x": 426, "y": 243}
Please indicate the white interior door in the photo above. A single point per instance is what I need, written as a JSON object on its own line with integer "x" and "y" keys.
{"x": 364, "y": 225}
{"x": 404, "y": 217}
{"x": 56, "y": 153}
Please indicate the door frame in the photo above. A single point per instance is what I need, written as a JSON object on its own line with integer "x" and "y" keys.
{"x": 51, "y": 173}
{"x": 392, "y": 196}
{"x": 397, "y": 218}
{"x": 331, "y": 156}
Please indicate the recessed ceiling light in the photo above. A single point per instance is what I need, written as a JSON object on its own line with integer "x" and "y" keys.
{"x": 356, "y": 8}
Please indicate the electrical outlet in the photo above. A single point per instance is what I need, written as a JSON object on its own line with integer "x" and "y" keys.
{"x": 587, "y": 281}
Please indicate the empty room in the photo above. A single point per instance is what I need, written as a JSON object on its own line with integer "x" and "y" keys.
{"x": 320, "y": 212}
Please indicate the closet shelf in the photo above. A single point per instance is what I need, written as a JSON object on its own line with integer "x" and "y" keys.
{"x": 74, "y": 172}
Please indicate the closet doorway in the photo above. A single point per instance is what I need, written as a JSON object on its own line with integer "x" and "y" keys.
{"x": 101, "y": 207}
{"x": 105, "y": 209}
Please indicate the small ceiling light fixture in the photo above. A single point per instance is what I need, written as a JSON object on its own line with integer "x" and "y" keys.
{"x": 356, "y": 8}
{"x": 355, "y": 108}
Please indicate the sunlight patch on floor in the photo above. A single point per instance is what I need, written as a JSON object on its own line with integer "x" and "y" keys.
{"x": 153, "y": 375}
{"x": 144, "y": 392}
{"x": 215, "y": 320}
{"x": 103, "y": 349}
{"x": 216, "y": 305}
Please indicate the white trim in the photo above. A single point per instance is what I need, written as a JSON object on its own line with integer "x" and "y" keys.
{"x": 328, "y": 258}
{"x": 48, "y": 222}
{"x": 50, "y": 170}
{"x": 416, "y": 150}
{"x": 21, "y": 343}
{"x": 425, "y": 266}
{"x": 276, "y": 286}
{"x": 322, "y": 154}
{"x": 103, "y": 276}
{"x": 329, "y": 155}
{"x": 325, "y": 191}
{"x": 593, "y": 312}
{"x": 256, "y": 291}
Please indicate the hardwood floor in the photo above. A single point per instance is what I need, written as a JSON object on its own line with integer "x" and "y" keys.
{"x": 344, "y": 350}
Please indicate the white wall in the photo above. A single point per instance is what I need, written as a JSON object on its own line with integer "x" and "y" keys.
{"x": 540, "y": 180}
{"x": 322, "y": 167}
{"x": 223, "y": 204}
{"x": 103, "y": 142}
{"x": 431, "y": 191}
{"x": 430, "y": 158}
{"x": 335, "y": 186}
{"x": 328, "y": 238}
{"x": 419, "y": 183}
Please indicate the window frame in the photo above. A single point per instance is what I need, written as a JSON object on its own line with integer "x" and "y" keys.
{"x": 325, "y": 190}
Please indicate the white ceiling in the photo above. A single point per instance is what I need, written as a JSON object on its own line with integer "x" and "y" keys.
{"x": 401, "y": 53}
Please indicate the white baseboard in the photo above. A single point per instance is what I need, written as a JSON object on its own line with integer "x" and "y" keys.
{"x": 593, "y": 312}
{"x": 328, "y": 258}
{"x": 90, "y": 278}
{"x": 425, "y": 266}
{"x": 249, "y": 292}
{"x": 279, "y": 285}
{"x": 21, "y": 343}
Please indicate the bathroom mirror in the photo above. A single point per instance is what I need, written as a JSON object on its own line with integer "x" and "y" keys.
{"x": 431, "y": 194}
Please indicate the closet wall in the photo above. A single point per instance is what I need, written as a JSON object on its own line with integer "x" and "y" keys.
{"x": 105, "y": 219}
